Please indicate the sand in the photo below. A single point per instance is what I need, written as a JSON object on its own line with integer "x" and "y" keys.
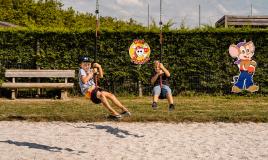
{"x": 139, "y": 141}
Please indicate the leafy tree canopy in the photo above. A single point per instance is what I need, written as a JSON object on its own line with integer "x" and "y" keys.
{"x": 49, "y": 13}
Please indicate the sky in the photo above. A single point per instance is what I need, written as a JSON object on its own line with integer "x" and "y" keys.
{"x": 182, "y": 12}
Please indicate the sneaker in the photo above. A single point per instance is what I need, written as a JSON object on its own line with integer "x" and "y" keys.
{"x": 115, "y": 117}
{"x": 126, "y": 114}
{"x": 154, "y": 105}
{"x": 171, "y": 107}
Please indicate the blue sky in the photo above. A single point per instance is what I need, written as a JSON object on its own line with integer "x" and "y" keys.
{"x": 180, "y": 11}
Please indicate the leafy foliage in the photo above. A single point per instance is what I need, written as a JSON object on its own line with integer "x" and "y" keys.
{"x": 49, "y": 13}
{"x": 198, "y": 59}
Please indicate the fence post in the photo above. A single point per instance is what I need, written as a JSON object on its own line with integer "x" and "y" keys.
{"x": 37, "y": 66}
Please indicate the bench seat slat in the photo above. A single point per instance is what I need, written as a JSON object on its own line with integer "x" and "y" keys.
{"x": 37, "y": 85}
{"x": 40, "y": 73}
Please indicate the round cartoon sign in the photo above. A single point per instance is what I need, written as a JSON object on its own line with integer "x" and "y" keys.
{"x": 139, "y": 52}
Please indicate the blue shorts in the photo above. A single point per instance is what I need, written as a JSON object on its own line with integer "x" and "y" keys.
{"x": 157, "y": 90}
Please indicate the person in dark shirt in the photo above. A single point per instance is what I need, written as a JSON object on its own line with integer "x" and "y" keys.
{"x": 161, "y": 90}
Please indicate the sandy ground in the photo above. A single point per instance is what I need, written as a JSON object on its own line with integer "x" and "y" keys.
{"x": 141, "y": 141}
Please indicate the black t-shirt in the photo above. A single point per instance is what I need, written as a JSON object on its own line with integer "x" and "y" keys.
{"x": 165, "y": 79}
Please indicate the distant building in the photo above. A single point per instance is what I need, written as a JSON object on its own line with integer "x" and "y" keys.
{"x": 239, "y": 21}
{"x": 6, "y": 24}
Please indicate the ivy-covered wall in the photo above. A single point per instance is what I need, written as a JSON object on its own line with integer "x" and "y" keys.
{"x": 198, "y": 59}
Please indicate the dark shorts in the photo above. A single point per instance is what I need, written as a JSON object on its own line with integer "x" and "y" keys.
{"x": 94, "y": 97}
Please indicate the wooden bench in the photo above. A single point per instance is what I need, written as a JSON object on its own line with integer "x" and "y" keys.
{"x": 26, "y": 73}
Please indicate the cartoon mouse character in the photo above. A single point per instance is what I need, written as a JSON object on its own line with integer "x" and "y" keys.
{"x": 244, "y": 51}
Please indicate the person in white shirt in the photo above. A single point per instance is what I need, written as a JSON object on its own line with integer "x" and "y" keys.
{"x": 87, "y": 74}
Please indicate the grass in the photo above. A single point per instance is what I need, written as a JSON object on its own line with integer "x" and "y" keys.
{"x": 188, "y": 109}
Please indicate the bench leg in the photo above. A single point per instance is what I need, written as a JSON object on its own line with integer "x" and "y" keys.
{"x": 13, "y": 94}
{"x": 63, "y": 94}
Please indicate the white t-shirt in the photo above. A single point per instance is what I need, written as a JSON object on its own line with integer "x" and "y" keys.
{"x": 85, "y": 86}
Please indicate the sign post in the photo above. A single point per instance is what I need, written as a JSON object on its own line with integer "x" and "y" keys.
{"x": 139, "y": 52}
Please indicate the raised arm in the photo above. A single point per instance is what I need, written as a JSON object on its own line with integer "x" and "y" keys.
{"x": 163, "y": 68}
{"x": 98, "y": 66}
{"x": 87, "y": 77}
{"x": 154, "y": 78}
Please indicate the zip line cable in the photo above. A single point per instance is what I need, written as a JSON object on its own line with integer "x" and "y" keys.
{"x": 96, "y": 38}
{"x": 97, "y": 30}
{"x": 161, "y": 39}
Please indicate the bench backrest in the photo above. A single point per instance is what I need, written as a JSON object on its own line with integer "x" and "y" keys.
{"x": 39, "y": 73}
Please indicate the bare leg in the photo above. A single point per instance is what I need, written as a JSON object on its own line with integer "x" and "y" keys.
{"x": 170, "y": 98}
{"x": 114, "y": 100}
{"x": 155, "y": 98}
{"x": 105, "y": 103}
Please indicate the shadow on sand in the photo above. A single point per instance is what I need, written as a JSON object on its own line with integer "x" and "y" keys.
{"x": 40, "y": 146}
{"x": 114, "y": 131}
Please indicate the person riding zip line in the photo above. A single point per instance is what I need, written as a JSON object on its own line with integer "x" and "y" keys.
{"x": 161, "y": 90}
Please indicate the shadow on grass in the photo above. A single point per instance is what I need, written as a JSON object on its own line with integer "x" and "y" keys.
{"x": 114, "y": 131}
{"x": 40, "y": 146}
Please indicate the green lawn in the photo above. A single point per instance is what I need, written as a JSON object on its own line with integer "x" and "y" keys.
{"x": 188, "y": 109}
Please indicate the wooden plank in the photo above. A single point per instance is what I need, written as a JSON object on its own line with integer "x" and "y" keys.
{"x": 226, "y": 22}
{"x": 246, "y": 24}
{"x": 6, "y": 24}
{"x": 248, "y": 20}
{"x": 221, "y": 21}
{"x": 63, "y": 94}
{"x": 37, "y": 85}
{"x": 39, "y": 73}
{"x": 232, "y": 20}
{"x": 254, "y": 17}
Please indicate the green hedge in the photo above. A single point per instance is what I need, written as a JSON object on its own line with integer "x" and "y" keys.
{"x": 198, "y": 59}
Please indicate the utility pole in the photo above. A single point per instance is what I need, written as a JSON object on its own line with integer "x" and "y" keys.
{"x": 199, "y": 15}
{"x": 148, "y": 16}
{"x": 251, "y": 9}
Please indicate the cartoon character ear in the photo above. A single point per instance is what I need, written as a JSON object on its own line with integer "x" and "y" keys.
{"x": 234, "y": 51}
{"x": 251, "y": 46}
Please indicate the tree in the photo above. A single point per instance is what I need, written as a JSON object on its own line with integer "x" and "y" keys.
{"x": 49, "y": 13}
